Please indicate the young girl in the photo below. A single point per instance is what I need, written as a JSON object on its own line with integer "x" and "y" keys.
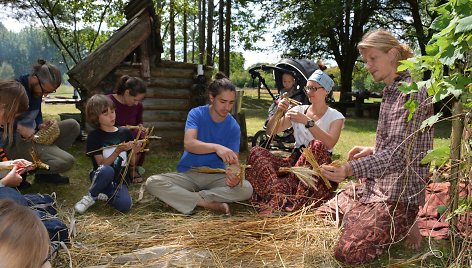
{"x": 109, "y": 161}
{"x": 129, "y": 92}
{"x": 13, "y": 102}
{"x": 25, "y": 240}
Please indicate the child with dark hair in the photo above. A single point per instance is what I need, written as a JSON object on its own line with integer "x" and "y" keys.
{"x": 109, "y": 148}
{"x": 211, "y": 140}
{"x": 128, "y": 94}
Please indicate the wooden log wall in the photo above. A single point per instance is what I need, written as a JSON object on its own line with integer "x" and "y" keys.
{"x": 172, "y": 90}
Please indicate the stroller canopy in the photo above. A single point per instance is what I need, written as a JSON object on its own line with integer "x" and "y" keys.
{"x": 301, "y": 68}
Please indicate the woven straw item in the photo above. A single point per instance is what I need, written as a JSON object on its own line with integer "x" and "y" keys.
{"x": 48, "y": 134}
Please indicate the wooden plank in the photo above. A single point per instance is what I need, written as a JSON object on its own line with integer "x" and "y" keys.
{"x": 145, "y": 63}
{"x": 170, "y": 82}
{"x": 173, "y": 72}
{"x": 159, "y": 126}
{"x": 166, "y": 104}
{"x": 90, "y": 71}
{"x": 167, "y": 93}
{"x": 158, "y": 115}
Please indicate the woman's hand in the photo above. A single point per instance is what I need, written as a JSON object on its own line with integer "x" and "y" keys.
{"x": 297, "y": 117}
{"x": 226, "y": 154}
{"x": 359, "y": 152}
{"x": 283, "y": 104}
{"x": 12, "y": 179}
{"x": 25, "y": 132}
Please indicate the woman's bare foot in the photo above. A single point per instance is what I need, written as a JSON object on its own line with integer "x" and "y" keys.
{"x": 413, "y": 239}
{"x": 215, "y": 206}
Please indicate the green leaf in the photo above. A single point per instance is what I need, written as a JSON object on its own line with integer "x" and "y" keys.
{"x": 431, "y": 121}
{"x": 440, "y": 23}
{"x": 438, "y": 156}
{"x": 450, "y": 55}
{"x": 411, "y": 106}
{"x": 408, "y": 88}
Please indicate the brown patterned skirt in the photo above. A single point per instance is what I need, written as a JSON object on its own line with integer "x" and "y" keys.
{"x": 284, "y": 191}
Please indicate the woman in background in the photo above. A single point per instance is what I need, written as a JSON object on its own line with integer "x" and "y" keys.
{"x": 129, "y": 92}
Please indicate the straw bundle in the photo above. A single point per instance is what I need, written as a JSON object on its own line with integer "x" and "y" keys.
{"x": 295, "y": 240}
{"x": 304, "y": 174}
{"x": 279, "y": 114}
{"x": 239, "y": 170}
{"x": 312, "y": 160}
{"x": 48, "y": 134}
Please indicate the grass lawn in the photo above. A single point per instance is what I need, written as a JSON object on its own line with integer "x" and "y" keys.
{"x": 103, "y": 232}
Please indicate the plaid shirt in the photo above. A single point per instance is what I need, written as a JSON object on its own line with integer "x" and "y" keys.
{"x": 394, "y": 172}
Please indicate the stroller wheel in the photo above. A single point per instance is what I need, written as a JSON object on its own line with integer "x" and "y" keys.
{"x": 260, "y": 139}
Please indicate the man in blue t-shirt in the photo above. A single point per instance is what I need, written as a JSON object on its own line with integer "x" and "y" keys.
{"x": 211, "y": 140}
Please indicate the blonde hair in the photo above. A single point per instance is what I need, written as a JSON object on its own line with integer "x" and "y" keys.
{"x": 24, "y": 239}
{"x": 97, "y": 105}
{"x": 14, "y": 101}
{"x": 47, "y": 73}
{"x": 385, "y": 41}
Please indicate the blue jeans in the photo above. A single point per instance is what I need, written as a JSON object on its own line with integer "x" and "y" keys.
{"x": 13, "y": 194}
{"x": 103, "y": 181}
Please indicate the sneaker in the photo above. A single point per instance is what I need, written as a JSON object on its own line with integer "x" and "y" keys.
{"x": 86, "y": 202}
{"x": 51, "y": 178}
{"x": 102, "y": 197}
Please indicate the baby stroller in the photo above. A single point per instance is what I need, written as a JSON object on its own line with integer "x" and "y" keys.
{"x": 301, "y": 70}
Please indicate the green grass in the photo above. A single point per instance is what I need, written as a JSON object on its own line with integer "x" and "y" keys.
{"x": 357, "y": 131}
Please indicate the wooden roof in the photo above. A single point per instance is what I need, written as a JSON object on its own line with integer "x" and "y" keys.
{"x": 88, "y": 73}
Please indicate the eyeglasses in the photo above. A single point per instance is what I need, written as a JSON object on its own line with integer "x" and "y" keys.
{"x": 311, "y": 88}
{"x": 42, "y": 88}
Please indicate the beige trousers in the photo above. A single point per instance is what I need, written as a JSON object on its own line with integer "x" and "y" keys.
{"x": 178, "y": 189}
{"x": 53, "y": 155}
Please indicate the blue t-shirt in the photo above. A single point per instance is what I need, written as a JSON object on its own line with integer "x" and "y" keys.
{"x": 226, "y": 133}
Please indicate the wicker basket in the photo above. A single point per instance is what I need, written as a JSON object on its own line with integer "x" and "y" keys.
{"x": 48, "y": 134}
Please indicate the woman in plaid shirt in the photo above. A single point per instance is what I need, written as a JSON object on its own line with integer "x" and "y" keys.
{"x": 382, "y": 209}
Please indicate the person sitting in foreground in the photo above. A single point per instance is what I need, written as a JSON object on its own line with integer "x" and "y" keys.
{"x": 108, "y": 147}
{"x": 24, "y": 239}
{"x": 317, "y": 127}
{"x": 382, "y": 210}
{"x": 211, "y": 140}
{"x": 44, "y": 79}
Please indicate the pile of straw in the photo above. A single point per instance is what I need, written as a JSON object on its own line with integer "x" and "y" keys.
{"x": 246, "y": 240}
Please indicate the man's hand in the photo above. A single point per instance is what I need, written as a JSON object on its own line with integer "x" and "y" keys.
{"x": 336, "y": 174}
{"x": 227, "y": 155}
{"x": 358, "y": 152}
{"x": 22, "y": 165}
{"x": 231, "y": 178}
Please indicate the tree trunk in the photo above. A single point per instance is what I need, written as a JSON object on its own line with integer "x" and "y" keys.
{"x": 185, "y": 35}
{"x": 221, "y": 37}
{"x": 194, "y": 30}
{"x": 201, "y": 32}
{"x": 209, "y": 49}
{"x": 172, "y": 29}
{"x": 456, "y": 137}
{"x": 227, "y": 37}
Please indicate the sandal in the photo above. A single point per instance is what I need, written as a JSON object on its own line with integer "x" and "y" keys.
{"x": 137, "y": 179}
{"x": 135, "y": 176}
